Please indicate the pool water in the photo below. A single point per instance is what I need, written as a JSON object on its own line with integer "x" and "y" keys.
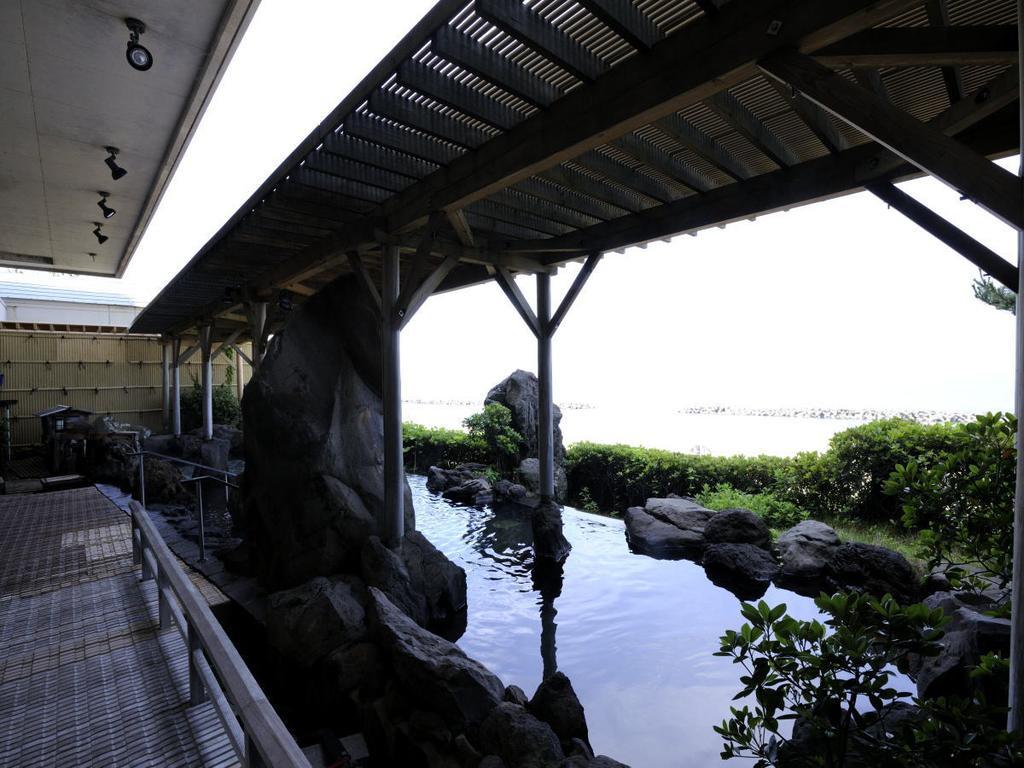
{"x": 635, "y": 635}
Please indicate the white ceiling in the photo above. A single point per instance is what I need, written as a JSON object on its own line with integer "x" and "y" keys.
{"x": 66, "y": 91}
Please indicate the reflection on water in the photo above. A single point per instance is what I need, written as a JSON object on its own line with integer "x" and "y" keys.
{"x": 635, "y": 635}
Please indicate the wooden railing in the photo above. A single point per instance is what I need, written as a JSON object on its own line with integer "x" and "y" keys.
{"x": 217, "y": 672}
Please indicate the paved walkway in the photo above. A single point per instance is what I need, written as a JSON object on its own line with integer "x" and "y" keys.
{"x": 86, "y": 677}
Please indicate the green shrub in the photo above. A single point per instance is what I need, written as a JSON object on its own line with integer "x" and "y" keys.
{"x": 226, "y": 408}
{"x": 621, "y": 476}
{"x": 428, "y": 446}
{"x": 493, "y": 427}
{"x": 860, "y": 460}
{"x": 962, "y": 501}
{"x": 776, "y": 512}
{"x": 836, "y": 679}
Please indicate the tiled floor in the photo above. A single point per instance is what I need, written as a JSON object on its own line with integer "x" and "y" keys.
{"x": 86, "y": 677}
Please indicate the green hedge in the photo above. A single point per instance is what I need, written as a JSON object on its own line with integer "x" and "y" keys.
{"x": 846, "y": 481}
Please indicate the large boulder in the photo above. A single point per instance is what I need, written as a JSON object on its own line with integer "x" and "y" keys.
{"x": 474, "y": 492}
{"x": 313, "y": 436}
{"x": 651, "y": 536}
{"x": 163, "y": 483}
{"x": 745, "y": 570}
{"x": 549, "y": 543}
{"x": 519, "y": 393}
{"x": 872, "y": 569}
{"x": 308, "y": 622}
{"x": 433, "y": 671}
{"x": 685, "y": 514}
{"x": 556, "y": 703}
{"x": 805, "y": 551}
{"x": 520, "y": 739}
{"x": 529, "y": 473}
{"x": 738, "y": 526}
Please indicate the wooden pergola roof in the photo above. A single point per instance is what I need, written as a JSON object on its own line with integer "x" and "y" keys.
{"x": 499, "y": 134}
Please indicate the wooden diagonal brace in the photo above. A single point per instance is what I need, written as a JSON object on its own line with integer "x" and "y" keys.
{"x": 356, "y": 262}
{"x": 407, "y": 307}
{"x": 227, "y": 344}
{"x": 508, "y": 285}
{"x": 574, "y": 292}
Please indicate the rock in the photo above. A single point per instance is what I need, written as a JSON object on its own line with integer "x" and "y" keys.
{"x": 737, "y": 526}
{"x": 215, "y": 452}
{"x": 555, "y": 702}
{"x": 356, "y": 667}
{"x": 233, "y": 436}
{"x": 519, "y": 393}
{"x": 548, "y": 540}
{"x": 432, "y": 670}
{"x": 529, "y": 473}
{"x": 516, "y": 695}
{"x": 648, "y": 535}
{"x": 872, "y": 569}
{"x": 163, "y": 483}
{"x": 440, "y": 581}
{"x": 110, "y": 459}
{"x": 683, "y": 513}
{"x": 601, "y": 761}
{"x": 579, "y": 747}
{"x": 307, "y": 622}
{"x": 519, "y": 738}
{"x": 805, "y": 551}
{"x": 467, "y": 753}
{"x": 475, "y": 492}
{"x": 970, "y": 634}
{"x": 313, "y": 438}
{"x": 745, "y": 570}
{"x": 439, "y": 479}
{"x": 165, "y": 444}
{"x": 492, "y": 761}
{"x": 506, "y": 490}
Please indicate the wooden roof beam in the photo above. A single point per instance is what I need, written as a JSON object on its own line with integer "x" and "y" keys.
{"x": 657, "y": 158}
{"x": 990, "y": 186}
{"x": 945, "y": 46}
{"x": 386, "y": 158}
{"x": 572, "y": 179}
{"x": 814, "y": 117}
{"x": 528, "y": 26}
{"x": 701, "y": 59}
{"x": 698, "y": 142}
{"x": 446, "y": 89}
{"x": 565, "y": 197}
{"x": 628, "y": 177}
{"x": 938, "y": 16}
{"x": 401, "y": 139}
{"x": 477, "y": 58}
{"x": 625, "y": 20}
{"x": 423, "y": 118}
{"x": 747, "y": 124}
{"x": 978, "y": 254}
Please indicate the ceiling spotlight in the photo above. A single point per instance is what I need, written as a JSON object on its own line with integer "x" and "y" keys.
{"x": 99, "y": 233}
{"x": 138, "y": 56}
{"x": 116, "y": 171}
{"x": 107, "y": 210}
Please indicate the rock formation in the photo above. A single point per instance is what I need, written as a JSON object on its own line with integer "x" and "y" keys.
{"x": 519, "y": 393}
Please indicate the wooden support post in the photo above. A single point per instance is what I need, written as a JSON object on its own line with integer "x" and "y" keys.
{"x": 176, "y": 385}
{"x": 1015, "y": 718}
{"x": 258, "y": 329}
{"x": 165, "y": 385}
{"x": 239, "y": 387}
{"x": 545, "y": 429}
{"x": 393, "y": 525}
{"x": 206, "y": 348}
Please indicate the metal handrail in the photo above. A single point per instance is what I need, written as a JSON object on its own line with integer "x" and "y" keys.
{"x": 198, "y": 480}
{"x": 217, "y": 672}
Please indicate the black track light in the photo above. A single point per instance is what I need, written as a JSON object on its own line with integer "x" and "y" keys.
{"x": 138, "y": 55}
{"x": 99, "y": 233}
{"x": 116, "y": 171}
{"x": 107, "y": 210}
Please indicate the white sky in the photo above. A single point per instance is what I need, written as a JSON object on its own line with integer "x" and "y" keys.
{"x": 843, "y": 303}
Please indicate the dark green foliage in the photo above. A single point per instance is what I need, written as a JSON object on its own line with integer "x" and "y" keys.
{"x": 226, "y": 409}
{"x": 429, "y": 446}
{"x": 776, "y": 512}
{"x": 852, "y": 474}
{"x": 835, "y": 680}
{"x": 962, "y": 500}
{"x": 620, "y": 476}
{"x": 493, "y": 427}
{"x": 997, "y": 296}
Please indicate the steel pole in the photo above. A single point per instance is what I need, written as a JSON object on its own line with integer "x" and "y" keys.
{"x": 165, "y": 382}
{"x": 391, "y": 376}
{"x": 545, "y": 427}
{"x": 206, "y": 347}
{"x": 176, "y": 385}
{"x": 1015, "y": 719}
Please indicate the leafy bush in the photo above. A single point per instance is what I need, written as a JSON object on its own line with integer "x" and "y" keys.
{"x": 493, "y": 427}
{"x": 621, "y": 476}
{"x": 962, "y": 500}
{"x": 428, "y": 446}
{"x": 836, "y": 686}
{"x": 860, "y": 460}
{"x": 776, "y": 512}
{"x": 226, "y": 408}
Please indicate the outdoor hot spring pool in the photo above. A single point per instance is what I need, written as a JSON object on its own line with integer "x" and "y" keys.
{"x": 635, "y": 635}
